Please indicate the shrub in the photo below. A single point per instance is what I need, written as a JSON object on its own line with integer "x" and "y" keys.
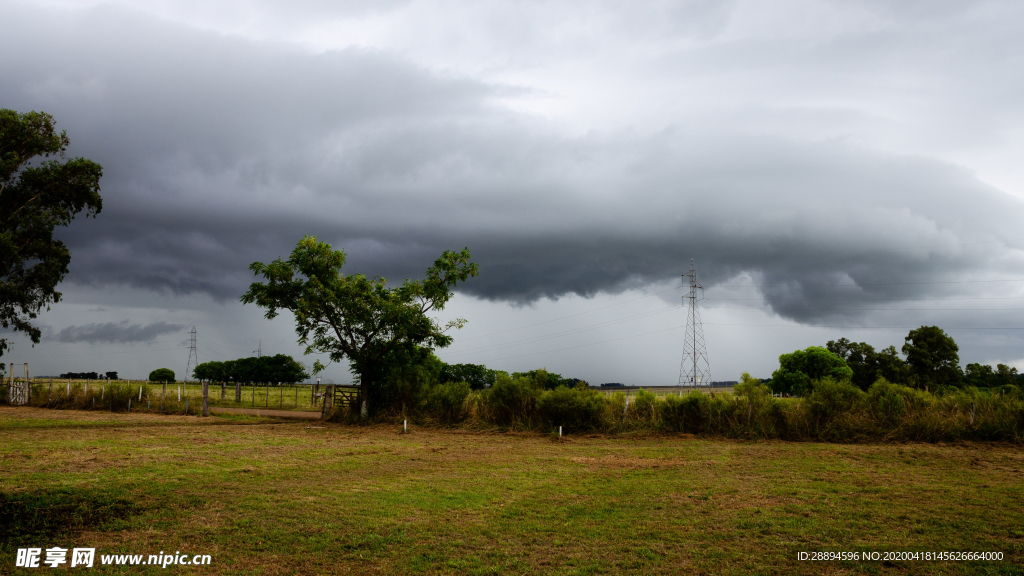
{"x": 447, "y": 402}
{"x": 575, "y": 409}
{"x": 829, "y": 398}
{"x": 890, "y": 402}
{"x": 756, "y": 414}
{"x": 511, "y": 401}
{"x": 644, "y": 408}
{"x": 691, "y": 413}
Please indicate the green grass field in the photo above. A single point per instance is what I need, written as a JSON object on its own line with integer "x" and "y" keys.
{"x": 273, "y": 497}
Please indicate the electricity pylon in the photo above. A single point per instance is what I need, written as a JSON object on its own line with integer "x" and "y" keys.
{"x": 695, "y": 370}
{"x": 193, "y": 355}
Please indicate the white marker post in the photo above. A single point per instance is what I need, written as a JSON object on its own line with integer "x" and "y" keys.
{"x": 559, "y": 431}
{"x": 405, "y": 425}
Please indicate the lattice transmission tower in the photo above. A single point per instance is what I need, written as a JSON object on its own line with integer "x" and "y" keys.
{"x": 695, "y": 370}
{"x": 193, "y": 355}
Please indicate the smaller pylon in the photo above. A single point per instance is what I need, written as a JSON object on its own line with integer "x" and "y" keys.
{"x": 193, "y": 354}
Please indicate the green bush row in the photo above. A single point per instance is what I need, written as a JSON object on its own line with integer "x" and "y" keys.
{"x": 835, "y": 411}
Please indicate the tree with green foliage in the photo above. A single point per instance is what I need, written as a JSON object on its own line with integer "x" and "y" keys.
{"x": 35, "y": 198}
{"x": 984, "y": 376}
{"x": 860, "y": 357}
{"x": 212, "y": 371}
{"x": 891, "y": 367}
{"x": 275, "y": 369}
{"x": 547, "y": 380}
{"x": 355, "y": 318}
{"x": 477, "y": 376}
{"x": 799, "y": 370}
{"x": 162, "y": 375}
{"x": 933, "y": 358}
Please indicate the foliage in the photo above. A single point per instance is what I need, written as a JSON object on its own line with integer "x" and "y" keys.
{"x": 798, "y": 370}
{"x": 982, "y": 376}
{"x": 447, "y": 402}
{"x": 829, "y": 398}
{"x": 477, "y": 375}
{"x": 932, "y": 357}
{"x": 575, "y": 409}
{"x": 162, "y": 375}
{"x": 275, "y": 369}
{"x": 410, "y": 373}
{"x": 212, "y": 371}
{"x": 88, "y": 375}
{"x": 352, "y": 317}
{"x": 547, "y": 380}
{"x": 511, "y": 401}
{"x": 35, "y": 199}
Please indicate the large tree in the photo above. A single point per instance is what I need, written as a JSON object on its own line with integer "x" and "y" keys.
{"x": 860, "y": 357}
{"x": 933, "y": 357}
{"x": 35, "y": 197}
{"x": 355, "y": 318}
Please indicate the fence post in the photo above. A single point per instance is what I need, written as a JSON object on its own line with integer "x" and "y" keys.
{"x": 238, "y": 391}
{"x": 206, "y": 399}
{"x": 162, "y": 394}
{"x": 223, "y": 389}
{"x": 49, "y": 395}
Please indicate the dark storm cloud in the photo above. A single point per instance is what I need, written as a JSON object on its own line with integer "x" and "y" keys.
{"x": 220, "y": 151}
{"x": 116, "y": 332}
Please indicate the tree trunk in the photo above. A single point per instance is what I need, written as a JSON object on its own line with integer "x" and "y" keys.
{"x": 364, "y": 395}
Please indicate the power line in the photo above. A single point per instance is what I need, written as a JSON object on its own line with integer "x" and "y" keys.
{"x": 862, "y": 284}
{"x": 761, "y": 299}
{"x": 753, "y": 325}
{"x": 578, "y": 330}
{"x": 573, "y": 315}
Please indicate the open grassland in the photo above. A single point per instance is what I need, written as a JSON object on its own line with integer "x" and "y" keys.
{"x": 268, "y": 497}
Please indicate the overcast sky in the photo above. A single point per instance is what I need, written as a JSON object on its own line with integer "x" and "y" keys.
{"x": 833, "y": 168}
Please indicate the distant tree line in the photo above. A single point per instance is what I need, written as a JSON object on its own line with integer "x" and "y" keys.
{"x": 930, "y": 360}
{"x": 89, "y": 375}
{"x": 275, "y": 369}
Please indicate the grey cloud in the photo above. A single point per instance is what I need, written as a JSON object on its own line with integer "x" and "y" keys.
{"x": 221, "y": 151}
{"x": 116, "y": 332}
